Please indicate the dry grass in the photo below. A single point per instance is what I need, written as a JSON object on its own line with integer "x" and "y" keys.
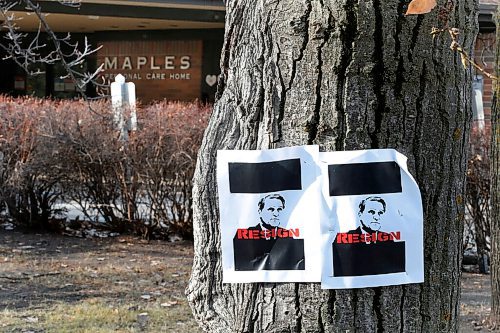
{"x": 59, "y": 284}
{"x": 70, "y": 285}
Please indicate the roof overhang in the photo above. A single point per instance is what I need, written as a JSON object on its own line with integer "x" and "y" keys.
{"x": 117, "y": 15}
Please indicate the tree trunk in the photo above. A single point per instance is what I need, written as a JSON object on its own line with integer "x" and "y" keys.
{"x": 345, "y": 75}
{"x": 495, "y": 194}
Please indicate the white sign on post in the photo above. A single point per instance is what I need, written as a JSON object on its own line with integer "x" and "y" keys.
{"x": 123, "y": 98}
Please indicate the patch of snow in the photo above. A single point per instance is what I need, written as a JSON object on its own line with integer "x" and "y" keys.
{"x": 174, "y": 238}
{"x": 7, "y": 226}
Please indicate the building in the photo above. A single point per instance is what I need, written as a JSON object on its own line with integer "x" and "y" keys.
{"x": 484, "y": 55}
{"x": 169, "y": 48}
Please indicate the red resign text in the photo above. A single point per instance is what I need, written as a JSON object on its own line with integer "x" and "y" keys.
{"x": 267, "y": 234}
{"x": 346, "y": 238}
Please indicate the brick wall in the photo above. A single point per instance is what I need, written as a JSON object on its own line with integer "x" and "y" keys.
{"x": 160, "y": 69}
{"x": 484, "y": 55}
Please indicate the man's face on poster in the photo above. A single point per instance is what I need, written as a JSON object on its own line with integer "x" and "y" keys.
{"x": 372, "y": 214}
{"x": 271, "y": 212}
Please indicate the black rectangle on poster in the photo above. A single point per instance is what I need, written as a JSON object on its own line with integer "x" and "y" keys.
{"x": 368, "y": 259}
{"x": 262, "y": 254}
{"x": 364, "y": 178}
{"x": 265, "y": 176}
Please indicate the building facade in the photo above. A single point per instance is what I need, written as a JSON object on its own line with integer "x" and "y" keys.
{"x": 484, "y": 55}
{"x": 169, "y": 49}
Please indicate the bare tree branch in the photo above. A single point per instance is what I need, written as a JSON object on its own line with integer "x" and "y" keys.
{"x": 28, "y": 51}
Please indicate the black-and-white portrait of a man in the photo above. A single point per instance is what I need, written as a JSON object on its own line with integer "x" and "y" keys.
{"x": 371, "y": 216}
{"x": 371, "y": 213}
{"x": 367, "y": 250}
{"x": 271, "y": 209}
{"x": 269, "y": 245}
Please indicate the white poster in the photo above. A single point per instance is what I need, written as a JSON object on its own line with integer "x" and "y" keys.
{"x": 269, "y": 216}
{"x": 372, "y": 223}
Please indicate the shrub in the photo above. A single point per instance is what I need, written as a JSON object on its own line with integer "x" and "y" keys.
{"x": 478, "y": 194}
{"x": 87, "y": 152}
{"x": 56, "y": 151}
{"x": 28, "y": 186}
{"x": 164, "y": 157}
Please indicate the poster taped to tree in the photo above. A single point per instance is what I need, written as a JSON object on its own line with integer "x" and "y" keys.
{"x": 348, "y": 219}
{"x": 372, "y": 228}
{"x": 269, "y": 224}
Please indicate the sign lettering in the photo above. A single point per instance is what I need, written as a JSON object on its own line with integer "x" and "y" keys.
{"x": 154, "y": 66}
{"x": 129, "y": 63}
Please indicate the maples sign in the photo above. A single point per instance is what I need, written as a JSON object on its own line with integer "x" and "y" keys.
{"x": 171, "y": 69}
{"x": 347, "y": 219}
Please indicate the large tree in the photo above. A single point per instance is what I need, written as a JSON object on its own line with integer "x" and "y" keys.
{"x": 495, "y": 192}
{"x": 343, "y": 74}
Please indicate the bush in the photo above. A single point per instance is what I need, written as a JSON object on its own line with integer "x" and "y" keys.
{"x": 88, "y": 154}
{"x": 28, "y": 186}
{"x": 477, "y": 231}
{"x": 164, "y": 158}
{"x": 62, "y": 151}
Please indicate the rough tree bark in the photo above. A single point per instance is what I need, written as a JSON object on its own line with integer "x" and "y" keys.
{"x": 495, "y": 194}
{"x": 345, "y": 75}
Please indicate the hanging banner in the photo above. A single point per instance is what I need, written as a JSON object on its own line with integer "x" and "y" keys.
{"x": 372, "y": 227}
{"x": 268, "y": 221}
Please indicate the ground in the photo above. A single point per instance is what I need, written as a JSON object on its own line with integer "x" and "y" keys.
{"x": 51, "y": 283}
{"x": 475, "y": 302}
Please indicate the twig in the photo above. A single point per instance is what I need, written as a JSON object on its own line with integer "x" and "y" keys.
{"x": 27, "y": 53}
{"x": 444, "y": 20}
{"x": 28, "y": 277}
{"x": 455, "y": 46}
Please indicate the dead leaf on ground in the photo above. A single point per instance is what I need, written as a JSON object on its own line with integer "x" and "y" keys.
{"x": 26, "y": 247}
{"x": 417, "y": 7}
{"x": 31, "y": 319}
{"x": 168, "y": 304}
{"x": 143, "y": 317}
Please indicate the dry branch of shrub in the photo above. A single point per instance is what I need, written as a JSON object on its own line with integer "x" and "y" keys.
{"x": 58, "y": 151}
